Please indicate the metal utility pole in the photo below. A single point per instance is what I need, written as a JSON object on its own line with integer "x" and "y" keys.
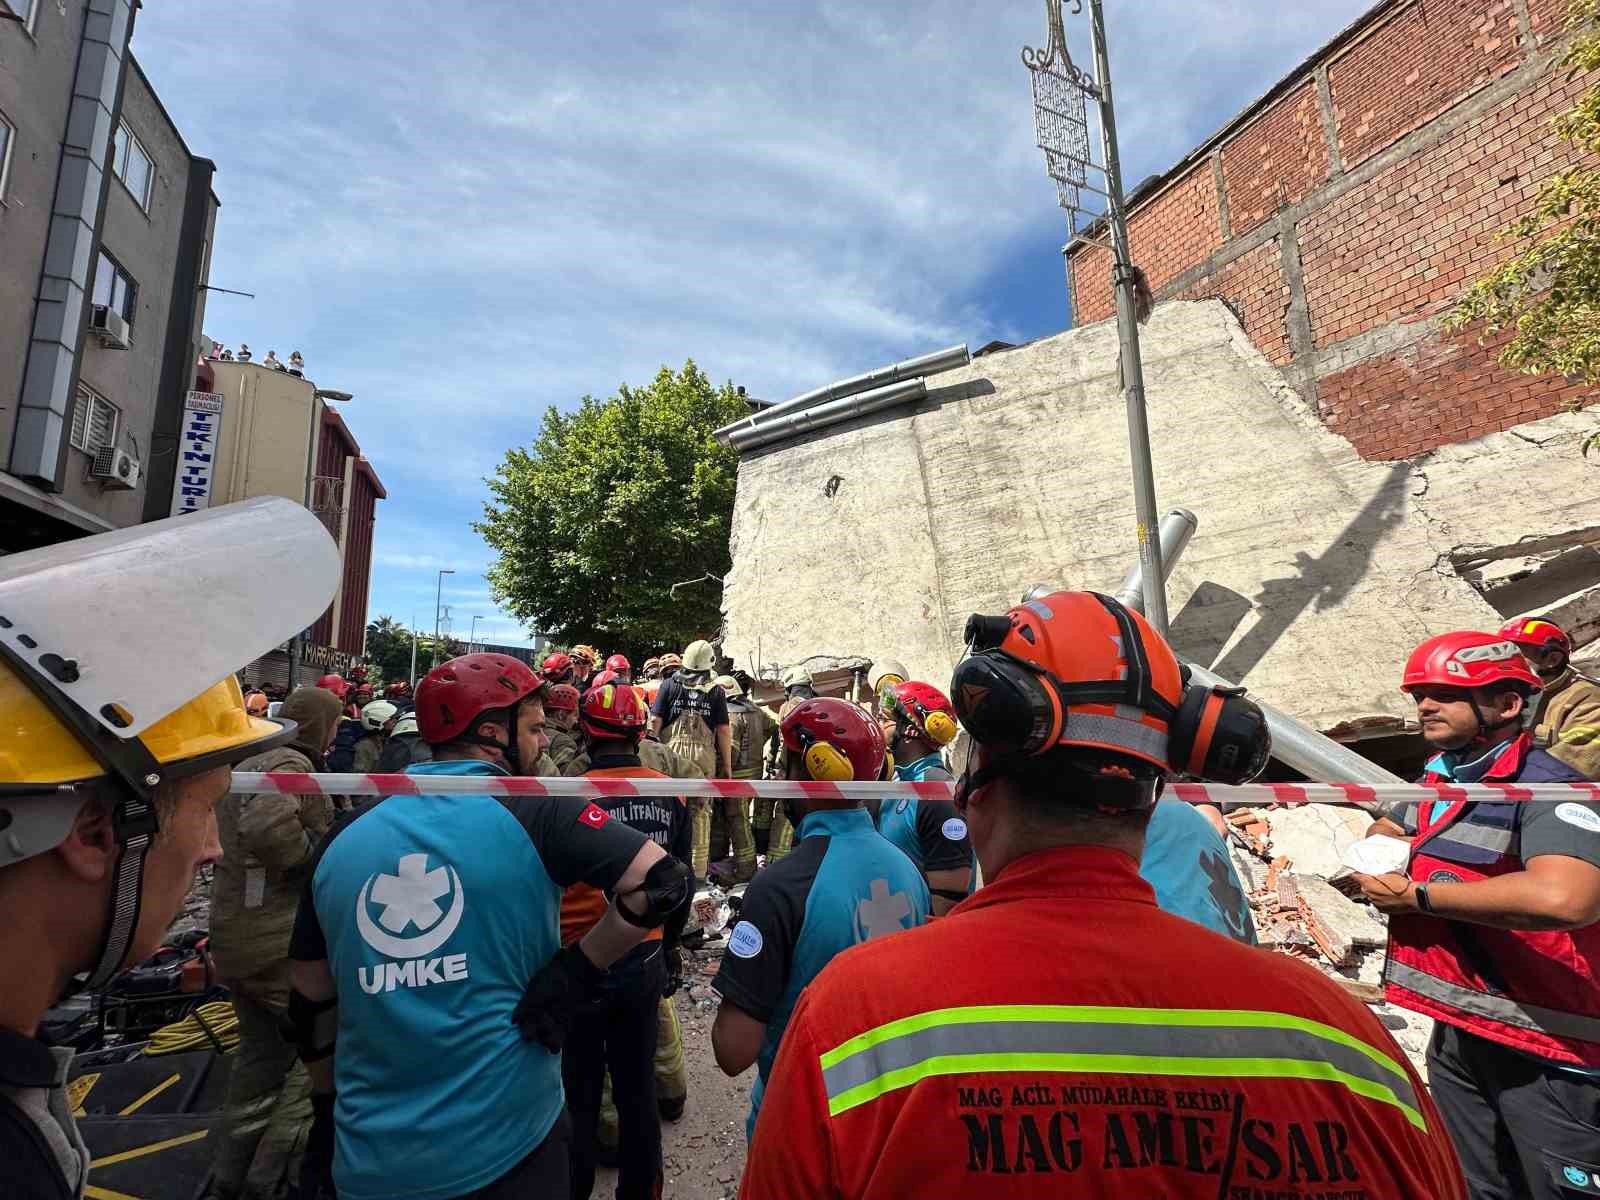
{"x": 472, "y": 638}
{"x": 438, "y": 599}
{"x": 413, "y": 651}
{"x": 1060, "y": 92}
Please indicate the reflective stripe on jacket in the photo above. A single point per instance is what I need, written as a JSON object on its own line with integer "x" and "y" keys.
{"x": 1535, "y": 991}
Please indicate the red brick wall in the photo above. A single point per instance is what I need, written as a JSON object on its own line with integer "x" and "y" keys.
{"x": 1409, "y": 239}
{"x": 1275, "y": 160}
{"x": 1415, "y": 65}
{"x": 1432, "y": 393}
{"x": 1091, "y": 287}
{"x": 1549, "y": 16}
{"x": 1254, "y": 285}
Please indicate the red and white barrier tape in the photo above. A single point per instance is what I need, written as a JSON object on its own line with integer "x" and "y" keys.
{"x": 593, "y": 787}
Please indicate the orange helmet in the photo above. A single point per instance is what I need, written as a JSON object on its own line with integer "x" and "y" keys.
{"x": 1080, "y": 669}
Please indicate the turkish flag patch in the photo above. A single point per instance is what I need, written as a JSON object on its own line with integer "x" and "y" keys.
{"x": 594, "y": 816}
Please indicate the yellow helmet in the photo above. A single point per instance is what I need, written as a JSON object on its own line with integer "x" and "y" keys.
{"x": 37, "y": 748}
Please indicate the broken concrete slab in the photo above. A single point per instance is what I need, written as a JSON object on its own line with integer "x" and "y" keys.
{"x": 1316, "y": 836}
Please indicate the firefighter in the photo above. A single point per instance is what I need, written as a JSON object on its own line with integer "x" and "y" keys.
{"x": 1057, "y": 1033}
{"x": 561, "y": 725}
{"x": 619, "y": 665}
{"x": 1566, "y": 719}
{"x": 772, "y": 831}
{"x": 584, "y": 661}
{"x": 750, "y": 728}
{"x": 690, "y": 715}
{"x": 843, "y": 884}
{"x": 617, "y": 1028}
{"x": 1493, "y": 929}
{"x": 558, "y": 669}
{"x": 413, "y": 947}
{"x": 117, "y": 749}
{"x": 921, "y": 722}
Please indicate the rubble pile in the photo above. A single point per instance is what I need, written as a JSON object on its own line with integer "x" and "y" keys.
{"x": 1287, "y": 858}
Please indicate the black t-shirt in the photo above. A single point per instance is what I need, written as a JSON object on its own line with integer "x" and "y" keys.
{"x": 674, "y": 699}
{"x": 775, "y": 906}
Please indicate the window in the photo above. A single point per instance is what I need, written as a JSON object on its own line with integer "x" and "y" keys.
{"x": 8, "y": 134}
{"x": 24, "y": 9}
{"x": 115, "y": 288}
{"x": 132, "y": 165}
{"x": 94, "y": 421}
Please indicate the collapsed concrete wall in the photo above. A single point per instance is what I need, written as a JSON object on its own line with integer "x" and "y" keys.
{"x": 1312, "y": 575}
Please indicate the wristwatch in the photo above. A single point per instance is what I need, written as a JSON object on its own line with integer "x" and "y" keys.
{"x": 1423, "y": 903}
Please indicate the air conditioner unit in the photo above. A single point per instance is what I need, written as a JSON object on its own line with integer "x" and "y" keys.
{"x": 109, "y": 324}
{"x": 116, "y": 468}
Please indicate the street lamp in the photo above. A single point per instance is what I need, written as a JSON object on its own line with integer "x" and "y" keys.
{"x": 1061, "y": 125}
{"x": 472, "y": 638}
{"x": 438, "y": 597}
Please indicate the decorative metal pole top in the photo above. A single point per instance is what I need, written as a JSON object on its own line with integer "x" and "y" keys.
{"x": 1060, "y": 113}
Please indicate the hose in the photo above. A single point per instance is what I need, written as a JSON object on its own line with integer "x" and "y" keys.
{"x": 210, "y": 1026}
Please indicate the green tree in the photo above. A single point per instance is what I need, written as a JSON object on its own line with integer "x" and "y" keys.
{"x": 389, "y": 650}
{"x": 1547, "y": 294}
{"x": 611, "y": 505}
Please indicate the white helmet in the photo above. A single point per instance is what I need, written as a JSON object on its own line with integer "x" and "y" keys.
{"x": 406, "y": 724}
{"x": 376, "y": 715}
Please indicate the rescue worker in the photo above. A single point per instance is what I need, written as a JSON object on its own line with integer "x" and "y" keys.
{"x": 884, "y": 676}
{"x": 377, "y": 719}
{"x": 561, "y": 727}
{"x": 404, "y": 747}
{"x": 398, "y": 691}
{"x": 558, "y": 668}
{"x": 844, "y": 884}
{"x": 342, "y": 755}
{"x": 267, "y": 844}
{"x": 584, "y": 661}
{"x": 769, "y": 815}
{"x": 1566, "y": 718}
{"x": 749, "y": 730}
{"x": 651, "y": 670}
{"x": 1057, "y": 1033}
{"x": 1493, "y": 929}
{"x": 616, "y": 1028}
{"x": 421, "y": 925}
{"x": 256, "y": 702}
{"x": 109, "y": 811}
{"x": 690, "y": 714}
{"x": 621, "y": 667}
{"x": 671, "y": 664}
{"x": 926, "y": 828}
{"x": 337, "y": 685}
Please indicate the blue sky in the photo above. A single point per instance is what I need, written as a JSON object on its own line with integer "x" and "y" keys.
{"x": 466, "y": 213}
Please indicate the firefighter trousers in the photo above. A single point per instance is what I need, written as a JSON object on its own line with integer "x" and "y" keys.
{"x": 672, "y": 1080}
{"x": 266, "y": 1112}
{"x": 1523, "y": 1127}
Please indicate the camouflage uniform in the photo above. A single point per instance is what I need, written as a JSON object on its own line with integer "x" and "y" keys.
{"x": 780, "y": 838}
{"x": 367, "y": 752}
{"x": 565, "y": 749}
{"x": 267, "y": 844}
{"x": 751, "y": 730}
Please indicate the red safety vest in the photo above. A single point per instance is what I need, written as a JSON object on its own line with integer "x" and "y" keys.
{"x": 1538, "y": 992}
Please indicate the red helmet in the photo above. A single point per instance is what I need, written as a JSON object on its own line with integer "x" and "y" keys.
{"x": 926, "y": 708}
{"x": 1467, "y": 659}
{"x": 334, "y": 684}
{"x": 612, "y": 711}
{"x": 1535, "y": 633}
{"x": 558, "y": 666}
{"x": 400, "y": 687}
{"x": 605, "y": 677}
{"x": 618, "y": 663}
{"x": 838, "y": 740}
{"x": 451, "y": 696}
{"x": 563, "y": 697}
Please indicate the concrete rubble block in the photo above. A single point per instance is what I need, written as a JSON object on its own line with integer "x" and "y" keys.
{"x": 1339, "y": 926}
{"x": 1316, "y": 836}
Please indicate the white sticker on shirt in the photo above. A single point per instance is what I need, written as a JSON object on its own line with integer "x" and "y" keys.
{"x": 954, "y": 829}
{"x": 255, "y": 886}
{"x": 746, "y": 941}
{"x": 1577, "y": 814}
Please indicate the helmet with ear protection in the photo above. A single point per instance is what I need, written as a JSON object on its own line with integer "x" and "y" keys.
{"x": 837, "y": 741}
{"x": 1081, "y": 669}
{"x": 925, "y": 707}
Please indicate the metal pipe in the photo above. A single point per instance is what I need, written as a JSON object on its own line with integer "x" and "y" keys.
{"x": 831, "y": 413}
{"x": 927, "y": 364}
{"x": 1177, "y": 527}
{"x": 1144, "y": 487}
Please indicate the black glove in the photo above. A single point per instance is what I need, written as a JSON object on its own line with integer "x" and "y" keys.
{"x": 316, "y": 1167}
{"x": 672, "y": 956}
{"x": 544, "y": 1014}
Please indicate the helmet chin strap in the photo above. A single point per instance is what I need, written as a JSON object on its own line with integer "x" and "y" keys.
{"x": 509, "y": 749}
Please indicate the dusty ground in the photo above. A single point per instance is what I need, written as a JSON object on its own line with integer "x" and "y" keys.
{"x": 704, "y": 1151}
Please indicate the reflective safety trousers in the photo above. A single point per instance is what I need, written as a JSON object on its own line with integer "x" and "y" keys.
{"x": 1535, "y": 991}
{"x": 1059, "y": 1035}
